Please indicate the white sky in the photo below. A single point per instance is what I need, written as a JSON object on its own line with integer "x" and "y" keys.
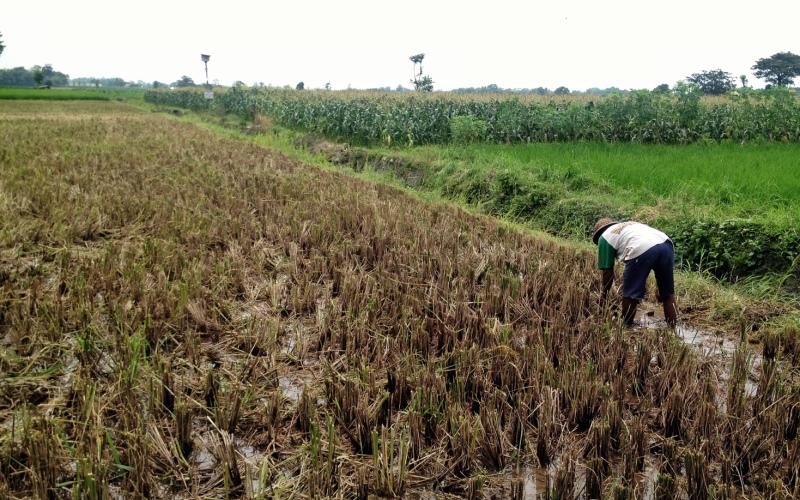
{"x": 362, "y": 43}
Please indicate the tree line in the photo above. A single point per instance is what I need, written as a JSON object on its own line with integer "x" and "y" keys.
{"x": 780, "y": 69}
{"x": 46, "y": 76}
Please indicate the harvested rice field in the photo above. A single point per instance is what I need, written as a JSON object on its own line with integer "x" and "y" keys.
{"x": 184, "y": 315}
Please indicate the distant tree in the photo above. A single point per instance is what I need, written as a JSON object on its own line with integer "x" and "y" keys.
{"x": 38, "y": 75}
{"x": 662, "y": 89}
{"x": 47, "y": 75}
{"x": 184, "y": 81}
{"x": 424, "y": 84}
{"x": 300, "y": 86}
{"x": 421, "y": 83}
{"x": 713, "y": 82}
{"x": 157, "y": 84}
{"x": 417, "y": 59}
{"x": 238, "y": 84}
{"x": 743, "y": 79}
{"x": 54, "y": 78}
{"x": 561, "y": 91}
{"x": 115, "y": 82}
{"x": 778, "y": 69}
{"x": 2, "y": 45}
{"x": 16, "y": 77}
{"x": 327, "y": 85}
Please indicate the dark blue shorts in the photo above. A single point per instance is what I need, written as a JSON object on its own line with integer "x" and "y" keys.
{"x": 660, "y": 259}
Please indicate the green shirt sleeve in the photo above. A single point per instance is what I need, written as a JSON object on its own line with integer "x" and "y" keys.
{"x": 605, "y": 254}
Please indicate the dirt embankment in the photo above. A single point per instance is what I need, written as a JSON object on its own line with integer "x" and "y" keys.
{"x": 413, "y": 175}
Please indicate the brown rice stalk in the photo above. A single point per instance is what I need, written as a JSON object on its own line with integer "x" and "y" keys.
{"x": 390, "y": 462}
{"x": 225, "y": 450}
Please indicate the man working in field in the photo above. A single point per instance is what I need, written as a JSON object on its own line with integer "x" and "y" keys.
{"x": 642, "y": 249}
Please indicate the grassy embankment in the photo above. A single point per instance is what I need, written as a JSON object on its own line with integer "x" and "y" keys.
{"x": 757, "y": 181}
{"x": 188, "y": 315}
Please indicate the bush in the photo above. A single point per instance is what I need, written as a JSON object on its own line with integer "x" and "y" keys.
{"x": 467, "y": 129}
{"x": 734, "y": 248}
{"x": 190, "y": 99}
{"x": 473, "y": 186}
{"x": 529, "y": 203}
{"x": 575, "y": 217}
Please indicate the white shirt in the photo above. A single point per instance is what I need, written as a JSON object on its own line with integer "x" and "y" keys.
{"x": 631, "y": 239}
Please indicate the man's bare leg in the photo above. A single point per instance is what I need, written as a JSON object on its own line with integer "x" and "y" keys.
{"x": 671, "y": 311}
{"x": 629, "y": 310}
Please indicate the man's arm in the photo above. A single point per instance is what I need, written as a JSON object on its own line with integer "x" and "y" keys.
{"x": 605, "y": 261}
{"x": 608, "y": 281}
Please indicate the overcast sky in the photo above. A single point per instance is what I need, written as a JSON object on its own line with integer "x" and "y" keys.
{"x": 361, "y": 43}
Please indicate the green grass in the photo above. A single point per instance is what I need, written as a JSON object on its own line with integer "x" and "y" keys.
{"x": 70, "y": 94}
{"x": 723, "y": 180}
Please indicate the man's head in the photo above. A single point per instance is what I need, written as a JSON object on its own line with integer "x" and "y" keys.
{"x": 601, "y": 226}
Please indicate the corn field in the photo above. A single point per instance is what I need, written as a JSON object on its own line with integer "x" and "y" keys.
{"x": 188, "y": 316}
{"x": 640, "y": 117}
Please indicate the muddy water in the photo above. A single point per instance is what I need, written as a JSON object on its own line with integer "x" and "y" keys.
{"x": 204, "y": 459}
{"x": 648, "y": 482}
{"x": 536, "y": 482}
{"x": 252, "y": 458}
{"x": 291, "y": 387}
{"x": 709, "y": 344}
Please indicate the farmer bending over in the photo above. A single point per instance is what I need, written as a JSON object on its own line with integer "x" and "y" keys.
{"x": 643, "y": 249}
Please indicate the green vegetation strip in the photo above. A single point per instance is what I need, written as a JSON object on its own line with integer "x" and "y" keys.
{"x": 413, "y": 119}
{"x": 69, "y": 94}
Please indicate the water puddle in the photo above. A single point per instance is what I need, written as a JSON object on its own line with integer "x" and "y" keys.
{"x": 291, "y": 387}
{"x": 248, "y": 452}
{"x": 204, "y": 460}
{"x": 289, "y": 345}
{"x": 648, "y": 482}
{"x": 69, "y": 371}
{"x": 709, "y": 344}
{"x": 252, "y": 311}
{"x": 536, "y": 482}
{"x": 252, "y": 458}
